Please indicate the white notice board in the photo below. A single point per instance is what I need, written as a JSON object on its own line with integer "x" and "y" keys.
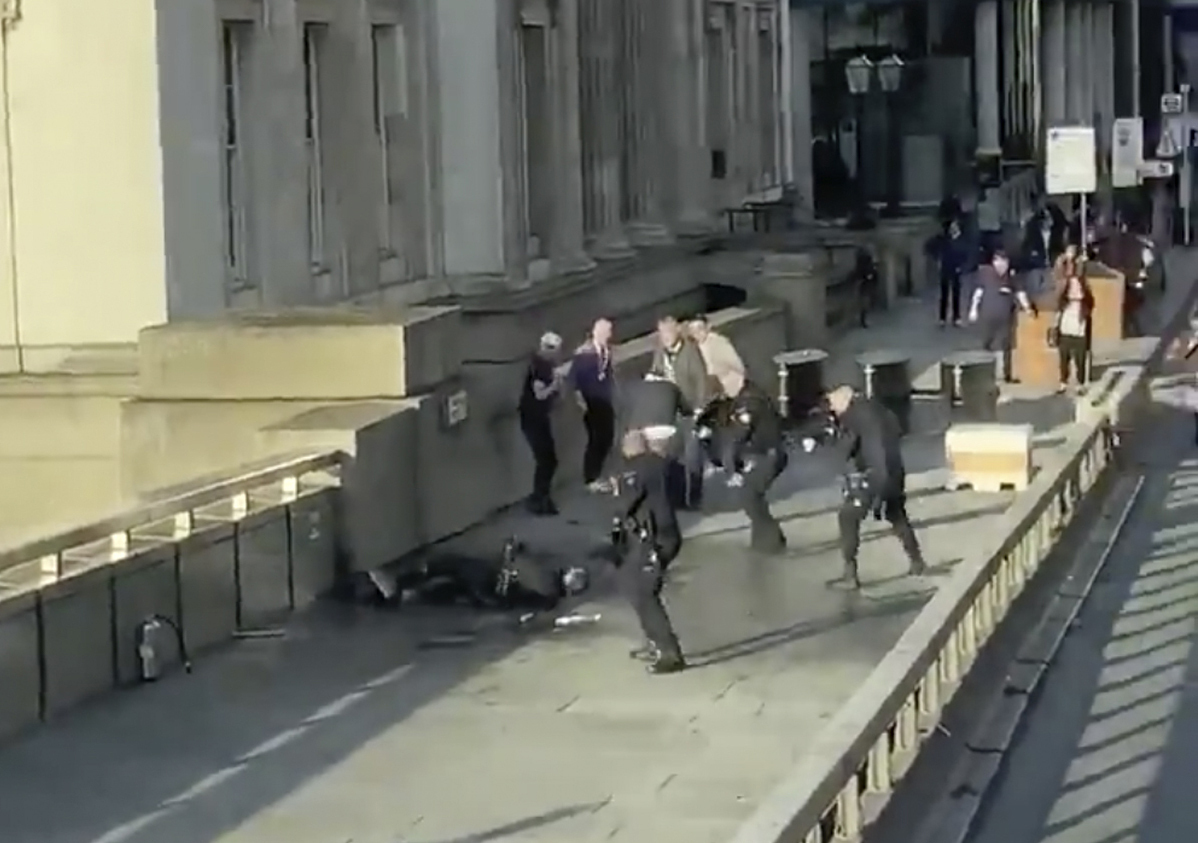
{"x": 1127, "y": 151}
{"x": 1070, "y": 161}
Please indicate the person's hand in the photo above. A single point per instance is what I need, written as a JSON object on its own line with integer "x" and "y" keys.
{"x": 736, "y": 480}
{"x": 973, "y": 314}
{"x": 808, "y": 444}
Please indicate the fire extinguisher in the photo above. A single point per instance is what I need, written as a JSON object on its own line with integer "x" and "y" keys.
{"x": 154, "y": 637}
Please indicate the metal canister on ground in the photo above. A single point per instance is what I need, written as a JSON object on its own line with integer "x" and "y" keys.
{"x": 969, "y": 385}
{"x": 800, "y": 382}
{"x": 887, "y": 377}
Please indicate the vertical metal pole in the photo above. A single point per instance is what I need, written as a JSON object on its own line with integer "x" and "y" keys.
{"x": 1135, "y": 58}
{"x": 1186, "y": 188}
{"x": 1083, "y": 228}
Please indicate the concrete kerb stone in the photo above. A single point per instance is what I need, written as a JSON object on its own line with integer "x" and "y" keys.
{"x": 796, "y": 807}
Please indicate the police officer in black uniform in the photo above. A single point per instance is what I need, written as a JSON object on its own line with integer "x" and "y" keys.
{"x": 647, "y": 538}
{"x": 754, "y": 455}
{"x": 869, "y": 438}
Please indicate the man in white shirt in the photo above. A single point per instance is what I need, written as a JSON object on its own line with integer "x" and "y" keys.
{"x": 719, "y": 354}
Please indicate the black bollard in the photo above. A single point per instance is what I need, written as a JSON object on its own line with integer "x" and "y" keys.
{"x": 969, "y": 385}
{"x": 800, "y": 382}
{"x": 887, "y": 377}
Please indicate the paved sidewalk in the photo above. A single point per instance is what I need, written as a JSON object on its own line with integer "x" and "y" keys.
{"x": 438, "y": 726}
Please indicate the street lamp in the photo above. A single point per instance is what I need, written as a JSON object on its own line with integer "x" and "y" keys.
{"x": 890, "y": 74}
{"x": 858, "y": 72}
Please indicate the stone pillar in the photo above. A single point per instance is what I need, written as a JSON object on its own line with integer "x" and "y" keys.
{"x": 566, "y": 249}
{"x": 599, "y": 53}
{"x": 986, "y": 77}
{"x": 683, "y": 98}
{"x": 1076, "y": 62}
{"x": 799, "y": 74}
{"x": 352, "y": 157}
{"x": 1089, "y": 66}
{"x": 1053, "y": 53}
{"x": 643, "y": 62}
{"x": 278, "y": 160}
{"x": 1104, "y": 82}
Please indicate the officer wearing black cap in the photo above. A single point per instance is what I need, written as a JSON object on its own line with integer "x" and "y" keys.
{"x": 754, "y": 455}
{"x": 646, "y": 538}
{"x": 869, "y": 439}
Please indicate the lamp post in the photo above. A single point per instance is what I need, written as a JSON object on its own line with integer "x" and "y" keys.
{"x": 858, "y": 72}
{"x": 890, "y": 74}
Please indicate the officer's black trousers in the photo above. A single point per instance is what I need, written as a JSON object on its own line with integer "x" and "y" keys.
{"x": 640, "y": 579}
{"x": 765, "y": 534}
{"x": 894, "y": 509}
{"x": 538, "y": 432}
{"x": 600, "y": 421}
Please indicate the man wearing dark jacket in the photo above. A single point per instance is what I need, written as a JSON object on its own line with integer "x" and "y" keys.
{"x": 678, "y": 360}
{"x": 753, "y": 456}
{"x": 869, "y": 440}
{"x": 956, "y": 258}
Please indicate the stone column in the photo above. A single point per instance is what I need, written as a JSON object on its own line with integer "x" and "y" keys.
{"x": 1104, "y": 82}
{"x": 1076, "y": 62}
{"x": 682, "y": 95}
{"x": 353, "y": 159}
{"x": 800, "y": 281}
{"x": 1090, "y": 66}
{"x": 799, "y": 73}
{"x": 643, "y": 62}
{"x": 566, "y": 249}
{"x": 986, "y": 76}
{"x": 599, "y": 54}
{"x": 278, "y": 160}
{"x": 1053, "y": 53}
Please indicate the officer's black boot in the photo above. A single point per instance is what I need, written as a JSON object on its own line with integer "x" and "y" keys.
{"x": 666, "y": 661}
{"x": 849, "y": 579}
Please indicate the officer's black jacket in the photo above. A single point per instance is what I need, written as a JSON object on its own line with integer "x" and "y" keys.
{"x": 755, "y": 427}
{"x": 653, "y": 402}
{"x": 642, "y": 494}
{"x": 871, "y": 439}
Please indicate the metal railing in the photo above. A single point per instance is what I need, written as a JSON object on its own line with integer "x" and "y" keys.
{"x": 170, "y": 517}
{"x": 855, "y": 765}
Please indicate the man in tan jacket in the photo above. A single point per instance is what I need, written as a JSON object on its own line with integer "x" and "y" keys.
{"x": 719, "y": 354}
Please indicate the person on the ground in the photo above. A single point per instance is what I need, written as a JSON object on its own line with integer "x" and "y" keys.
{"x": 995, "y": 306}
{"x": 1075, "y": 311}
{"x": 543, "y": 382}
{"x": 594, "y": 381}
{"x": 514, "y": 580}
{"x": 955, "y": 259}
{"x": 646, "y": 539}
{"x": 677, "y": 359}
{"x": 754, "y": 454}
{"x": 869, "y": 440}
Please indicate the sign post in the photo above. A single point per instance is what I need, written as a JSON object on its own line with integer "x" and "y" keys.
{"x": 1070, "y": 166}
{"x": 1176, "y": 138}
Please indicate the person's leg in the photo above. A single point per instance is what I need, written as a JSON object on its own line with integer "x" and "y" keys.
{"x": 1064, "y": 357}
{"x": 849, "y": 520}
{"x": 765, "y": 533}
{"x": 900, "y": 524}
{"x": 641, "y": 582}
{"x": 544, "y": 453}
{"x": 599, "y": 419}
{"x": 945, "y": 293}
{"x": 956, "y": 299}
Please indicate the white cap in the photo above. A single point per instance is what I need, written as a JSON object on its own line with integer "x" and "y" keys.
{"x": 550, "y": 341}
{"x": 659, "y": 432}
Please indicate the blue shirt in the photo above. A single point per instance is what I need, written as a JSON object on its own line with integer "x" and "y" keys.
{"x": 592, "y": 373}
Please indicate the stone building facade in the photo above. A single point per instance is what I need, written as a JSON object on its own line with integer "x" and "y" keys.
{"x": 233, "y": 154}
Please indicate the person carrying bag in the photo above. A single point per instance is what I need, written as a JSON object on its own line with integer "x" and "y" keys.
{"x": 1071, "y": 333}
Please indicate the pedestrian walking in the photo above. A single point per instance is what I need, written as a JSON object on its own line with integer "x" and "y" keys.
{"x": 593, "y": 375}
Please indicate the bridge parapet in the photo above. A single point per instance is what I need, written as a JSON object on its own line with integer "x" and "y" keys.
{"x": 216, "y": 558}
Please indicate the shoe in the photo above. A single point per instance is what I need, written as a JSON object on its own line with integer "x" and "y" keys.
{"x": 849, "y": 580}
{"x": 644, "y": 653}
{"x": 917, "y": 568}
{"x": 943, "y": 324}
{"x": 664, "y": 664}
{"x": 956, "y": 323}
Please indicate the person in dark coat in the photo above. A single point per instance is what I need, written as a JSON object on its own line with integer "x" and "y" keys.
{"x": 677, "y": 359}
{"x": 646, "y": 539}
{"x": 543, "y": 381}
{"x": 1042, "y": 245}
{"x": 594, "y": 376}
{"x": 995, "y": 306}
{"x": 869, "y": 441}
{"x": 955, "y": 258}
{"x": 754, "y": 455}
